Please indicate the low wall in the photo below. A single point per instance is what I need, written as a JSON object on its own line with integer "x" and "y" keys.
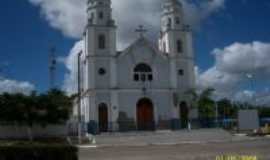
{"x": 9, "y": 131}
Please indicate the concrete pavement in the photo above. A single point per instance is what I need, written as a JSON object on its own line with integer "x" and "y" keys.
{"x": 203, "y": 151}
{"x": 166, "y": 138}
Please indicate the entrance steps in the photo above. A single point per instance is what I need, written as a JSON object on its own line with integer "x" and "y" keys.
{"x": 163, "y": 137}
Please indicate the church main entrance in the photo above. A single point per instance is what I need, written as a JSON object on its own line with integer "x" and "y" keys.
{"x": 184, "y": 115}
{"x": 103, "y": 117}
{"x": 145, "y": 115}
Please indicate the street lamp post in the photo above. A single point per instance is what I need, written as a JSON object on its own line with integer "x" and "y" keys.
{"x": 219, "y": 77}
{"x": 250, "y": 78}
{"x": 216, "y": 105}
{"x": 79, "y": 99}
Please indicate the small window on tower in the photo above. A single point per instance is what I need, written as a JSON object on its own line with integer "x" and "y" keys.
{"x": 177, "y": 20}
{"x": 169, "y": 23}
{"x": 179, "y": 46}
{"x": 92, "y": 15}
{"x": 102, "y": 71}
{"x": 180, "y": 72}
{"x": 101, "y": 15}
{"x": 101, "y": 41}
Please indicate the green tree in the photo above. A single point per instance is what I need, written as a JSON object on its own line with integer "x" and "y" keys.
{"x": 53, "y": 107}
{"x": 227, "y": 109}
{"x": 203, "y": 102}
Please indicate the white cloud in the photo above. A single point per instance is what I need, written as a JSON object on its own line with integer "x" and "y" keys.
{"x": 232, "y": 65}
{"x": 197, "y": 12}
{"x": 13, "y": 86}
{"x": 69, "y": 16}
{"x": 70, "y": 82}
{"x": 255, "y": 55}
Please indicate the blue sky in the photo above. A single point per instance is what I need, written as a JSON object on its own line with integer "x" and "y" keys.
{"x": 26, "y": 36}
{"x": 238, "y": 22}
{"x": 25, "y": 42}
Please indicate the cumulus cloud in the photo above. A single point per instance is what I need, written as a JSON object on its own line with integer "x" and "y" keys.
{"x": 69, "y": 16}
{"x": 232, "y": 65}
{"x": 13, "y": 86}
{"x": 70, "y": 82}
{"x": 198, "y": 11}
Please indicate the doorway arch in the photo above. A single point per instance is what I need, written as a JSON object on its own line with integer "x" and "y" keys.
{"x": 103, "y": 117}
{"x": 145, "y": 115}
{"x": 184, "y": 114}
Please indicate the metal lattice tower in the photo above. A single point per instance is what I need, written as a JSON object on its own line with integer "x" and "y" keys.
{"x": 52, "y": 67}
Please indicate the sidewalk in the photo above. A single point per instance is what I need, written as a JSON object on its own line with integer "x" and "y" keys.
{"x": 166, "y": 138}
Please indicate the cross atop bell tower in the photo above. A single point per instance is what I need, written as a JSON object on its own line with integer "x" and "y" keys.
{"x": 141, "y": 30}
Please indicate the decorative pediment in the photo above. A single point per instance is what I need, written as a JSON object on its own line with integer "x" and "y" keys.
{"x": 142, "y": 44}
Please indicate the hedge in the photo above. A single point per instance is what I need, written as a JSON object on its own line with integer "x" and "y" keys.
{"x": 38, "y": 152}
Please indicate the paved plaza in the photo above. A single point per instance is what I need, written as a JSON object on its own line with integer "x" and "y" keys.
{"x": 167, "y": 137}
{"x": 205, "y": 151}
{"x": 203, "y": 144}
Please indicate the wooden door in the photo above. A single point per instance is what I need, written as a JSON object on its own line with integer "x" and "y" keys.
{"x": 184, "y": 114}
{"x": 145, "y": 115}
{"x": 103, "y": 118}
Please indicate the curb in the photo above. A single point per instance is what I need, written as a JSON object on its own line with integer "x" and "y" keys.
{"x": 87, "y": 146}
{"x": 166, "y": 144}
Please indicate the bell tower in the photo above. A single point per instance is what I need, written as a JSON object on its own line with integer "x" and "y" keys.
{"x": 100, "y": 32}
{"x": 99, "y": 12}
{"x": 175, "y": 41}
{"x": 99, "y": 61}
{"x": 172, "y": 39}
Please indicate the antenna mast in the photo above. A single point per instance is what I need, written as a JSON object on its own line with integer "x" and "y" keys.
{"x": 52, "y": 67}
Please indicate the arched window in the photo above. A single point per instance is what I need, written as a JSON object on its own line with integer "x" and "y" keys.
{"x": 92, "y": 15}
{"x": 101, "y": 41}
{"x": 143, "y": 72}
{"x": 179, "y": 46}
{"x": 101, "y": 15}
{"x": 169, "y": 22}
{"x": 177, "y": 20}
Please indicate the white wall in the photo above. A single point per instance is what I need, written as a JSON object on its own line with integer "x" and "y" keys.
{"x": 10, "y": 131}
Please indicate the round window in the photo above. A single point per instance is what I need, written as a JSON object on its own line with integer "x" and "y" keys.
{"x": 101, "y": 71}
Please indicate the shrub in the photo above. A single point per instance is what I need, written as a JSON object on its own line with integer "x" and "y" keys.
{"x": 38, "y": 152}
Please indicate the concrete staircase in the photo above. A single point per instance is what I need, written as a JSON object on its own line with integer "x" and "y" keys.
{"x": 163, "y": 137}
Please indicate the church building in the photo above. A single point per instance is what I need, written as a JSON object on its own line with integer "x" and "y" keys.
{"x": 143, "y": 86}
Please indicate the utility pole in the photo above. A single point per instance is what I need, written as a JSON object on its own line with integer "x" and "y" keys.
{"x": 250, "y": 77}
{"x": 52, "y": 67}
{"x": 79, "y": 99}
{"x": 219, "y": 77}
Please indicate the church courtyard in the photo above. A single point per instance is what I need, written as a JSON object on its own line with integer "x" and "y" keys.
{"x": 202, "y": 144}
{"x": 257, "y": 149}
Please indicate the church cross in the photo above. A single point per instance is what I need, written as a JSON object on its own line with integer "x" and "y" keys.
{"x": 141, "y": 30}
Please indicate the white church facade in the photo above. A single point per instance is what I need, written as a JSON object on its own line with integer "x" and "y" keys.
{"x": 143, "y": 86}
